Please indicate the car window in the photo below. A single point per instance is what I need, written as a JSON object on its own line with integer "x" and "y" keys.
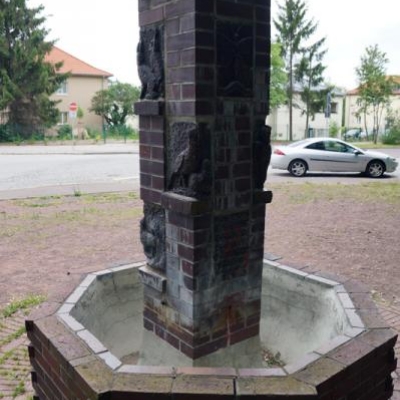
{"x": 338, "y": 147}
{"x": 316, "y": 146}
{"x": 347, "y": 148}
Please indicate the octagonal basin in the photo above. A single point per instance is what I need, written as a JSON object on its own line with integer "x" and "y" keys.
{"x": 301, "y": 312}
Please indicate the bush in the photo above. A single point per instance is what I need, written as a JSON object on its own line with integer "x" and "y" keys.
{"x": 392, "y": 136}
{"x": 333, "y": 129}
{"x": 122, "y": 131}
{"x": 65, "y": 132}
{"x": 93, "y": 133}
{"x": 16, "y": 134}
{"x": 7, "y": 134}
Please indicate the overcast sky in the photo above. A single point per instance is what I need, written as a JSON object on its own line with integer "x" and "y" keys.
{"x": 105, "y": 34}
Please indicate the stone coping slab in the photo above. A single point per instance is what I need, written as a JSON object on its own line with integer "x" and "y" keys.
{"x": 366, "y": 344}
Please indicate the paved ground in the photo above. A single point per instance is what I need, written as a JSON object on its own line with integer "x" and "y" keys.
{"x": 15, "y": 382}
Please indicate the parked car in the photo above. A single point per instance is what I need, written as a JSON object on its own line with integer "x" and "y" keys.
{"x": 354, "y": 134}
{"x": 330, "y": 155}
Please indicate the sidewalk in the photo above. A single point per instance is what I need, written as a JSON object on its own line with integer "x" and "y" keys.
{"x": 100, "y": 148}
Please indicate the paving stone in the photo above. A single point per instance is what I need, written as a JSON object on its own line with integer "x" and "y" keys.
{"x": 135, "y": 383}
{"x": 318, "y": 373}
{"x": 97, "y": 375}
{"x": 247, "y": 387}
{"x": 190, "y": 387}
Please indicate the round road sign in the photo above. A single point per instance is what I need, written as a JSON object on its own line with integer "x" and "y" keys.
{"x": 73, "y": 106}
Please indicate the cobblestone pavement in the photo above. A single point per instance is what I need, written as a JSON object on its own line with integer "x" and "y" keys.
{"x": 15, "y": 368}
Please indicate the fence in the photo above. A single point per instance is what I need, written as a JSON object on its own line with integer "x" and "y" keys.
{"x": 17, "y": 133}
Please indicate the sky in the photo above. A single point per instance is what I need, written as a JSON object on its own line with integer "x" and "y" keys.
{"x": 105, "y": 33}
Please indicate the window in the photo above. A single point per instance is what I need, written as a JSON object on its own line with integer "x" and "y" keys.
{"x": 337, "y": 147}
{"x": 316, "y": 146}
{"x": 63, "y": 89}
{"x": 63, "y": 118}
{"x": 334, "y": 108}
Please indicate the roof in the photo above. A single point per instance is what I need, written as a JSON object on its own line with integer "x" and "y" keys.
{"x": 396, "y": 79}
{"x": 74, "y": 65}
{"x": 335, "y": 91}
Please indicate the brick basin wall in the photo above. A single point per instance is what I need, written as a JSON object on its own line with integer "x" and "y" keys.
{"x": 69, "y": 366}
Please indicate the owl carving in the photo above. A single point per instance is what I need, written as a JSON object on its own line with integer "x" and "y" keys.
{"x": 150, "y": 61}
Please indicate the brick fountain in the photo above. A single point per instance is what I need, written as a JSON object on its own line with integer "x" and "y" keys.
{"x": 206, "y": 316}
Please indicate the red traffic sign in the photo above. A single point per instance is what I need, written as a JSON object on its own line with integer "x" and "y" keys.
{"x": 73, "y": 106}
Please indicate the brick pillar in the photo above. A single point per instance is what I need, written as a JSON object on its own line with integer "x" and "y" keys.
{"x": 204, "y": 66}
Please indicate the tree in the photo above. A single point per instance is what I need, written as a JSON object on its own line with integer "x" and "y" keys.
{"x": 309, "y": 73}
{"x": 115, "y": 103}
{"x": 27, "y": 80}
{"x": 293, "y": 31}
{"x": 278, "y": 81}
{"x": 374, "y": 87}
{"x": 80, "y": 113}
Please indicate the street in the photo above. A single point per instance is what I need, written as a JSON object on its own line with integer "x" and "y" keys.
{"x": 38, "y": 174}
{"x": 57, "y": 174}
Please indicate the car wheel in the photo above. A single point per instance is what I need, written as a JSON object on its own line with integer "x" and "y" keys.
{"x": 298, "y": 168}
{"x": 375, "y": 169}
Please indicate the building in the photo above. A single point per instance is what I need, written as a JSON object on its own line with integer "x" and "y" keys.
{"x": 319, "y": 126}
{"x": 354, "y": 120}
{"x": 84, "y": 81}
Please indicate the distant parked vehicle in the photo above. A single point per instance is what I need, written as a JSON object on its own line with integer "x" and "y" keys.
{"x": 330, "y": 155}
{"x": 354, "y": 134}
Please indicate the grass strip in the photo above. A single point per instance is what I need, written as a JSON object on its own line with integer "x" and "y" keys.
{"x": 22, "y": 304}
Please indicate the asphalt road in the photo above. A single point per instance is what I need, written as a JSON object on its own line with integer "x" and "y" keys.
{"x": 50, "y": 174}
{"x": 33, "y": 172}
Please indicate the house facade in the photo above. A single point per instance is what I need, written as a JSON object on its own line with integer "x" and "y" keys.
{"x": 354, "y": 120}
{"x": 319, "y": 126}
{"x": 84, "y": 81}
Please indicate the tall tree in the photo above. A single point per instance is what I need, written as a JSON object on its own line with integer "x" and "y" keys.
{"x": 115, "y": 103}
{"x": 374, "y": 88}
{"x": 26, "y": 79}
{"x": 293, "y": 31}
{"x": 278, "y": 81}
{"x": 309, "y": 74}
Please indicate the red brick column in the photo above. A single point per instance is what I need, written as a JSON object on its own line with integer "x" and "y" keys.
{"x": 204, "y": 153}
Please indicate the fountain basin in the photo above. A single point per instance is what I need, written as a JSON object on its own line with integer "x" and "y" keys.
{"x": 319, "y": 337}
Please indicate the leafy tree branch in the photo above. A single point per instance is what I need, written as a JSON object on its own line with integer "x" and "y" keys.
{"x": 115, "y": 104}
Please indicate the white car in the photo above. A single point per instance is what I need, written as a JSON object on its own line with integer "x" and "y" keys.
{"x": 330, "y": 155}
{"x": 354, "y": 134}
